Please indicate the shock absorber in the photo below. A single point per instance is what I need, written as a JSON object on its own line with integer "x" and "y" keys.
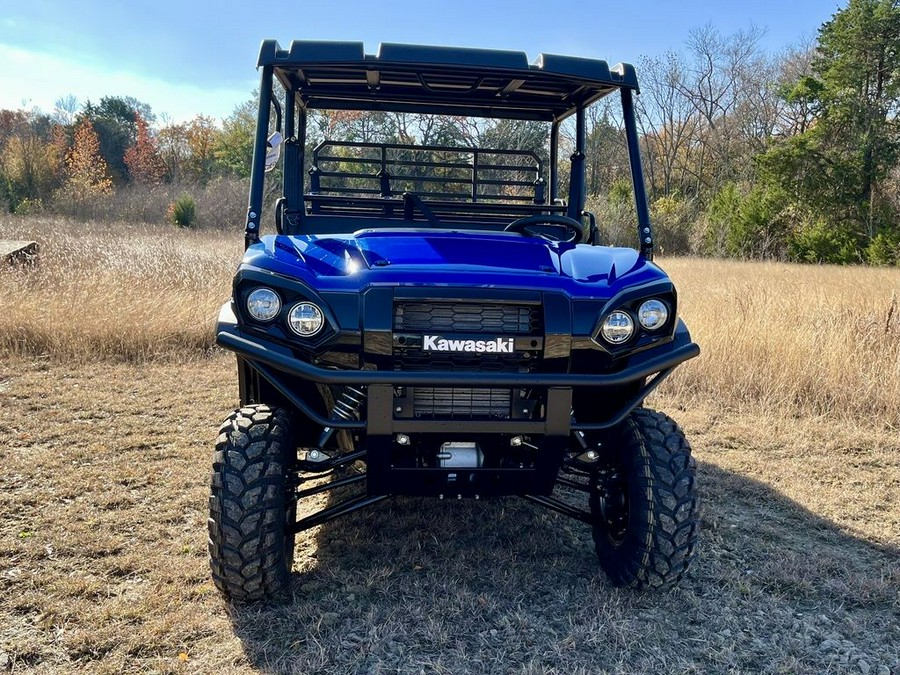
{"x": 348, "y": 407}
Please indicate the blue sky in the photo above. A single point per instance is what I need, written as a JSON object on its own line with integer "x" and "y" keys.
{"x": 185, "y": 57}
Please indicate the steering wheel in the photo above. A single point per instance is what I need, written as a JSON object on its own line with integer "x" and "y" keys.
{"x": 575, "y": 229}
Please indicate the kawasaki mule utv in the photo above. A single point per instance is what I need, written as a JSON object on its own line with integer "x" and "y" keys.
{"x": 443, "y": 321}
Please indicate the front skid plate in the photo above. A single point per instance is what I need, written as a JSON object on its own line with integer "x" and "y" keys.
{"x": 386, "y": 479}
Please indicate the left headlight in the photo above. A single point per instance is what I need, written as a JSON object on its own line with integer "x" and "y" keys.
{"x": 653, "y": 314}
{"x": 306, "y": 319}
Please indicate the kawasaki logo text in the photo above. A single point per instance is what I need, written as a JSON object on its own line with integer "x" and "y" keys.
{"x": 435, "y": 343}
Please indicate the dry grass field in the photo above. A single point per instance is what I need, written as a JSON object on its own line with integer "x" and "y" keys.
{"x": 111, "y": 393}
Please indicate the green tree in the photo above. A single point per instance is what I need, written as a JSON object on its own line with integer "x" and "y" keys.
{"x": 752, "y": 224}
{"x": 859, "y": 64}
{"x": 835, "y": 169}
{"x": 233, "y": 148}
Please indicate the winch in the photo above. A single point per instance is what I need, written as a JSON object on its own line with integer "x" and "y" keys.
{"x": 460, "y": 455}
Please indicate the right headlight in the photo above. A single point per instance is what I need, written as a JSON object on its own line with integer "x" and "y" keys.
{"x": 263, "y": 304}
{"x": 617, "y": 327}
{"x": 306, "y": 319}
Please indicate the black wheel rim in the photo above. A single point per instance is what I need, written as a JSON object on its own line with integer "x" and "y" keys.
{"x": 611, "y": 502}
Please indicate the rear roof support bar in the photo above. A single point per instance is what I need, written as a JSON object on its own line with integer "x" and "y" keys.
{"x": 577, "y": 181}
{"x": 554, "y": 161}
{"x": 292, "y": 171}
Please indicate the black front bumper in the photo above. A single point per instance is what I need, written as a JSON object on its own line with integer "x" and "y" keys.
{"x": 272, "y": 360}
{"x": 382, "y": 424}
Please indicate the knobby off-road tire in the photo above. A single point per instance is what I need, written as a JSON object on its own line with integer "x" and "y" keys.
{"x": 251, "y": 551}
{"x": 654, "y": 542}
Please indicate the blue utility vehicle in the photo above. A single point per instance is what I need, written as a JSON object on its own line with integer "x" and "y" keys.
{"x": 445, "y": 320}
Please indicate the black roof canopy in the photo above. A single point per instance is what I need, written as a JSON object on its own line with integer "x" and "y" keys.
{"x": 441, "y": 80}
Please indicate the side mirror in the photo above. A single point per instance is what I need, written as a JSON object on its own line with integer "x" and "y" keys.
{"x": 273, "y": 150}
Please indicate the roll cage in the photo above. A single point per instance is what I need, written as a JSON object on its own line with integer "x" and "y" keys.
{"x": 487, "y": 186}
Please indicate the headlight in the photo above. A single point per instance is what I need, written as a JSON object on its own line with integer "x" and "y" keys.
{"x": 263, "y": 304}
{"x": 653, "y": 314}
{"x": 617, "y": 328}
{"x": 306, "y": 319}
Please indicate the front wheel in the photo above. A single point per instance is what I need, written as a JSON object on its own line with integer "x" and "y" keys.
{"x": 644, "y": 503}
{"x": 251, "y": 509}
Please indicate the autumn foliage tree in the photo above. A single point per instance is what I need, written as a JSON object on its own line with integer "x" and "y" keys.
{"x": 201, "y": 135}
{"x": 144, "y": 162}
{"x": 87, "y": 176}
{"x": 29, "y": 161}
{"x": 171, "y": 140}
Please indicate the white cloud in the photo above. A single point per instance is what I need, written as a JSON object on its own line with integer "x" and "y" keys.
{"x": 38, "y": 79}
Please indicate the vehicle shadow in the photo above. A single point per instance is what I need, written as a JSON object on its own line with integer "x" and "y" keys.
{"x": 413, "y": 585}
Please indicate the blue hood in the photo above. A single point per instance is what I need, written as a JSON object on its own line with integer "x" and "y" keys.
{"x": 450, "y": 258}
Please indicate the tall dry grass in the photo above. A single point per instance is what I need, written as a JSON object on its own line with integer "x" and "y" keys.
{"x": 114, "y": 290}
{"x": 788, "y": 338}
{"x": 217, "y": 202}
{"x": 792, "y": 338}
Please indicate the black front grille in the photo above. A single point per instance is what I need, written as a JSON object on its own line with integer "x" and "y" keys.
{"x": 467, "y": 317}
{"x": 432, "y": 402}
{"x": 414, "y": 359}
{"x": 448, "y": 319}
